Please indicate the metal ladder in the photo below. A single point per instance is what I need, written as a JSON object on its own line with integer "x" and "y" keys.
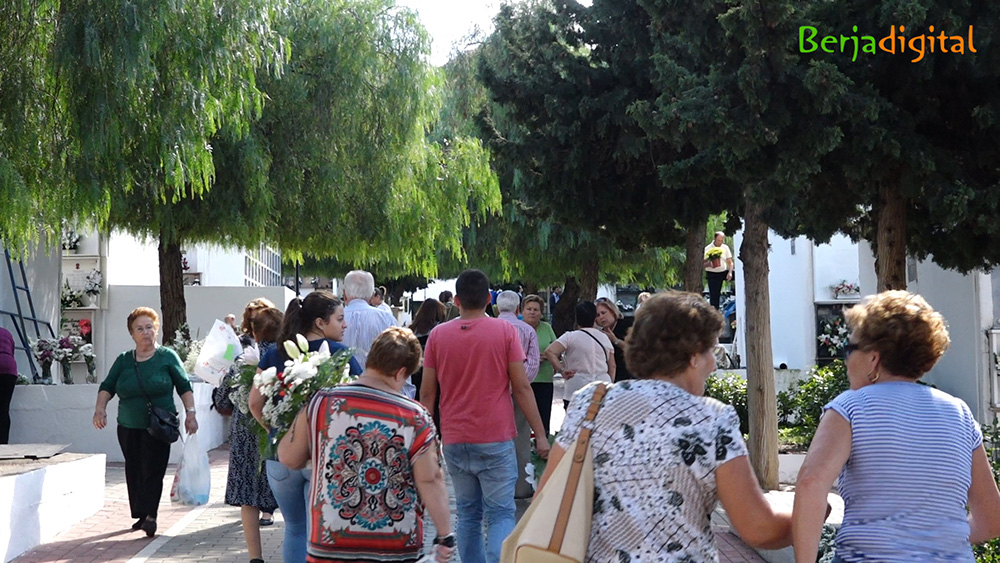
{"x": 21, "y": 321}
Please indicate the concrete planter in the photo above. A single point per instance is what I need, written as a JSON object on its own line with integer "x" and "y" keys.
{"x": 64, "y": 414}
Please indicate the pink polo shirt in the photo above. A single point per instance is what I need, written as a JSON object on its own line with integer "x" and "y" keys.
{"x": 471, "y": 358}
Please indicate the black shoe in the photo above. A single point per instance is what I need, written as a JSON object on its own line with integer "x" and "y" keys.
{"x": 149, "y": 526}
{"x": 266, "y": 521}
{"x": 138, "y": 524}
{"x": 256, "y": 561}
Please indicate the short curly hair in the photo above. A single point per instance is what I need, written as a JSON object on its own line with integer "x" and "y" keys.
{"x": 533, "y": 299}
{"x": 143, "y": 312}
{"x": 394, "y": 348}
{"x": 909, "y": 335}
{"x": 669, "y": 329}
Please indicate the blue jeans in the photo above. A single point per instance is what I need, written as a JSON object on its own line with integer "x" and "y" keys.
{"x": 291, "y": 490}
{"x": 483, "y": 476}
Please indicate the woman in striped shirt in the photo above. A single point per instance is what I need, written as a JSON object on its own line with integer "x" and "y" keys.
{"x": 910, "y": 457}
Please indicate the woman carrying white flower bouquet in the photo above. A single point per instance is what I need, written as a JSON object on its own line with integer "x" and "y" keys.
{"x": 320, "y": 318}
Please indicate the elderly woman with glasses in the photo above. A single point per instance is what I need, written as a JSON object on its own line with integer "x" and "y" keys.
{"x": 916, "y": 483}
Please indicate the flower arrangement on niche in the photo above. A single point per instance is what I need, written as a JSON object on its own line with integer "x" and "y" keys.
{"x": 833, "y": 335}
{"x": 70, "y": 239}
{"x": 70, "y": 298}
{"x": 845, "y": 289}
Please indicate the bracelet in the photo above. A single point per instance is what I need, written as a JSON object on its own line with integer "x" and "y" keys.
{"x": 189, "y": 410}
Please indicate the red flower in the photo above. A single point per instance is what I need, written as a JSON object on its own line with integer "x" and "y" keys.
{"x": 85, "y": 327}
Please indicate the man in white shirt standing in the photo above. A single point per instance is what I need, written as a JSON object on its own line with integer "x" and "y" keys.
{"x": 364, "y": 322}
{"x": 718, "y": 270}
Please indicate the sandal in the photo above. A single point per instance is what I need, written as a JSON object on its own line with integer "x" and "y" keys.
{"x": 266, "y": 521}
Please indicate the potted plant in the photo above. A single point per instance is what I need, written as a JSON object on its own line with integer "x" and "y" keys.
{"x": 714, "y": 255}
{"x": 92, "y": 286}
{"x": 70, "y": 239}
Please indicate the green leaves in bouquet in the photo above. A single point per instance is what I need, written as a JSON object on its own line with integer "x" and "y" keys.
{"x": 290, "y": 393}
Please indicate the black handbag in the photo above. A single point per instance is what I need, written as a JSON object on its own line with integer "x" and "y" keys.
{"x": 162, "y": 424}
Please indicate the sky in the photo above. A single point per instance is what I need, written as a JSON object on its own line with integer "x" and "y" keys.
{"x": 449, "y": 21}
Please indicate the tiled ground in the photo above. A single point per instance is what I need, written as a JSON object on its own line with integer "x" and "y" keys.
{"x": 212, "y": 533}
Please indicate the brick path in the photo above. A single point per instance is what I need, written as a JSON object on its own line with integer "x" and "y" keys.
{"x": 210, "y": 533}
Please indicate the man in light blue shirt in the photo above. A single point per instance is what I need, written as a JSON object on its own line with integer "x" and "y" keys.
{"x": 364, "y": 322}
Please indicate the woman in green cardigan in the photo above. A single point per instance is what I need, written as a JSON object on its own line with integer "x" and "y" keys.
{"x": 161, "y": 372}
{"x": 542, "y": 386}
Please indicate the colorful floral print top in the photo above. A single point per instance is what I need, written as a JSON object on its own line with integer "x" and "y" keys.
{"x": 363, "y": 500}
{"x": 656, "y": 448}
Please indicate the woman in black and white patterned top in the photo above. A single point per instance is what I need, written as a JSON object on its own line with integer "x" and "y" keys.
{"x": 663, "y": 454}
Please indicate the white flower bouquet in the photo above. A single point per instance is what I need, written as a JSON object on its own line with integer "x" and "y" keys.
{"x": 833, "y": 335}
{"x": 92, "y": 283}
{"x": 287, "y": 391}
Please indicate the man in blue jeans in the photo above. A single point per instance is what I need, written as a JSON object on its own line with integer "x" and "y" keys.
{"x": 478, "y": 362}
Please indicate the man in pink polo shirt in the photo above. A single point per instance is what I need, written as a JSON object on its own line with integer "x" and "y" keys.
{"x": 478, "y": 363}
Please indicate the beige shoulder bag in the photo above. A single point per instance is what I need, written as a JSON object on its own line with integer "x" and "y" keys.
{"x": 556, "y": 527}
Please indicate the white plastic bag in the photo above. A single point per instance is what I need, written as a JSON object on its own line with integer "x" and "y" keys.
{"x": 218, "y": 353}
{"x": 193, "y": 480}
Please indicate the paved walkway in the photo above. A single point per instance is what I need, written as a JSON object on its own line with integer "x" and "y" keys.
{"x": 209, "y": 533}
{"x": 212, "y": 533}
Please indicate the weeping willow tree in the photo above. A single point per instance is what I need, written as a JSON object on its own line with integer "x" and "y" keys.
{"x": 338, "y": 164}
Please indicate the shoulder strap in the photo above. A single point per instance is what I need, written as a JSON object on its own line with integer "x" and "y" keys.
{"x": 142, "y": 387}
{"x": 579, "y": 455}
{"x": 599, "y": 345}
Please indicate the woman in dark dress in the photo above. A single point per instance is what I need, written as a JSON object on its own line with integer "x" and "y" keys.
{"x": 615, "y": 326}
{"x": 246, "y": 485}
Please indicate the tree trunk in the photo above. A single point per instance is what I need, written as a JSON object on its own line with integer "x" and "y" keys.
{"x": 564, "y": 315}
{"x": 588, "y": 279}
{"x": 761, "y": 398}
{"x": 890, "y": 240}
{"x": 695, "y": 257}
{"x": 173, "y": 307}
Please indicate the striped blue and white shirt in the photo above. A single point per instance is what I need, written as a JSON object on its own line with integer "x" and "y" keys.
{"x": 906, "y": 483}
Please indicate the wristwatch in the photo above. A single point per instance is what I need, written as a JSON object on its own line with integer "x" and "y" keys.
{"x": 447, "y": 541}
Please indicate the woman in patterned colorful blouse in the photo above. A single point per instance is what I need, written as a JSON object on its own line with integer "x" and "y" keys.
{"x": 375, "y": 463}
{"x": 663, "y": 454}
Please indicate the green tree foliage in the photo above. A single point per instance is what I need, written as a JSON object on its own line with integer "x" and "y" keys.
{"x": 564, "y": 76}
{"x": 918, "y": 162}
{"x": 338, "y": 164}
{"x": 33, "y": 129}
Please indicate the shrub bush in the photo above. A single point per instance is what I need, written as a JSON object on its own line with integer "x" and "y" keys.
{"x": 989, "y": 552}
{"x": 731, "y": 389}
{"x": 809, "y": 395}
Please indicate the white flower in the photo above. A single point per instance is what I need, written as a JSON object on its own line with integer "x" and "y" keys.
{"x": 292, "y": 350}
{"x": 266, "y": 377}
{"x": 303, "y": 343}
{"x": 529, "y": 469}
{"x": 301, "y": 372}
{"x": 324, "y": 349}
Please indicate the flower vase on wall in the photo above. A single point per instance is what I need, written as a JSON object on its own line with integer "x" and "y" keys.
{"x": 91, "y": 370}
{"x": 67, "y": 373}
{"x": 90, "y": 299}
{"x": 46, "y": 377}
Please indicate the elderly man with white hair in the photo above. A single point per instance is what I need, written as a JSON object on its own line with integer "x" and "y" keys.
{"x": 509, "y": 305}
{"x": 364, "y": 322}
